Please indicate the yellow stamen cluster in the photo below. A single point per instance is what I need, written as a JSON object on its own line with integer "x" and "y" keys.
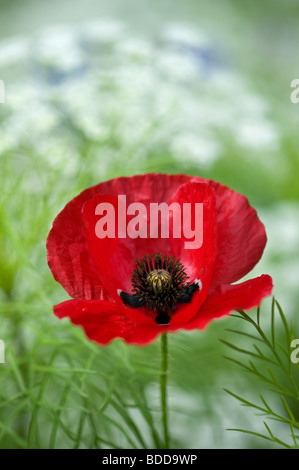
{"x": 160, "y": 280}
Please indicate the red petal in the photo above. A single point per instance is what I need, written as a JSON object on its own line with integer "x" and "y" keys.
{"x": 227, "y": 298}
{"x": 241, "y": 237}
{"x": 151, "y": 187}
{"x": 199, "y": 261}
{"x": 114, "y": 257}
{"x": 68, "y": 256}
{"x": 104, "y": 321}
{"x": 239, "y": 230}
{"x": 67, "y": 251}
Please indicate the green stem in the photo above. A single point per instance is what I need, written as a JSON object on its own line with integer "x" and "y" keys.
{"x": 163, "y": 387}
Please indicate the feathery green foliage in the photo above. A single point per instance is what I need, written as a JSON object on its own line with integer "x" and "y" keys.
{"x": 269, "y": 359}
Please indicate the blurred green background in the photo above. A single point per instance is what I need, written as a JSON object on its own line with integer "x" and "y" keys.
{"x": 96, "y": 90}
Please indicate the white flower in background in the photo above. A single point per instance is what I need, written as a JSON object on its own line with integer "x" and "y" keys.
{"x": 203, "y": 151}
{"x": 129, "y": 95}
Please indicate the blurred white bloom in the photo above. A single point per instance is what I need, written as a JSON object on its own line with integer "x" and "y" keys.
{"x": 257, "y": 135}
{"x": 13, "y": 50}
{"x": 135, "y": 48}
{"x": 184, "y": 34}
{"x": 103, "y": 31}
{"x": 100, "y": 83}
{"x": 195, "y": 148}
{"x": 58, "y": 47}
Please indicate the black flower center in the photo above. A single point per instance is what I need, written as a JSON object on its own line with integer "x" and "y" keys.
{"x": 159, "y": 283}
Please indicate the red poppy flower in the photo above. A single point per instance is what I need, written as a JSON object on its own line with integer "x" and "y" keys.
{"x": 137, "y": 288}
